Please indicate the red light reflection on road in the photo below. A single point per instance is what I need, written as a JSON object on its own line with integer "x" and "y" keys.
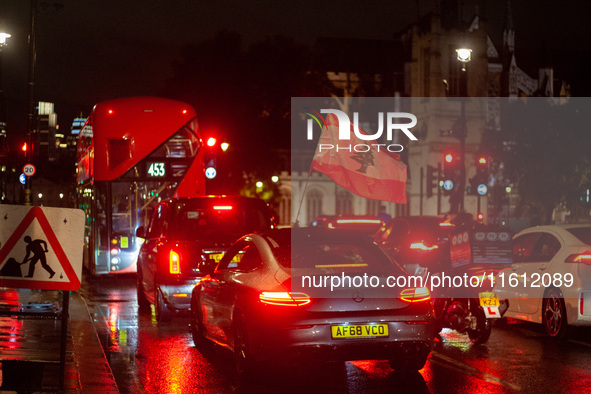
{"x": 10, "y": 329}
{"x": 373, "y": 369}
{"x": 168, "y": 368}
{"x": 112, "y": 323}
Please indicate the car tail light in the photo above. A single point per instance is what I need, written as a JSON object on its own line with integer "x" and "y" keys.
{"x": 222, "y": 207}
{"x": 175, "y": 262}
{"x": 416, "y": 294}
{"x": 421, "y": 246}
{"x": 284, "y": 298}
{"x": 584, "y": 258}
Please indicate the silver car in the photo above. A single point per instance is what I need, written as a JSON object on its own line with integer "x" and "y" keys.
{"x": 248, "y": 304}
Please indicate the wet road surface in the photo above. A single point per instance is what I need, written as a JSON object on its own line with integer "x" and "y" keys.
{"x": 151, "y": 357}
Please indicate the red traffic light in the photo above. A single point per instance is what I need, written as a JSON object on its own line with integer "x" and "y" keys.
{"x": 449, "y": 158}
{"x": 211, "y": 141}
{"x": 480, "y": 217}
{"x": 24, "y": 147}
{"x": 482, "y": 160}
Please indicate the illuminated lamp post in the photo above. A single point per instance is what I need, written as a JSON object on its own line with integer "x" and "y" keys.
{"x": 464, "y": 55}
{"x": 3, "y": 38}
{"x": 3, "y": 147}
{"x": 31, "y": 98}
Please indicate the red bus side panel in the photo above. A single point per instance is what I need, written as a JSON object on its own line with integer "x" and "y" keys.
{"x": 131, "y": 128}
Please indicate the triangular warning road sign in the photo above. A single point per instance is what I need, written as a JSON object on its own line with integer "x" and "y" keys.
{"x": 72, "y": 276}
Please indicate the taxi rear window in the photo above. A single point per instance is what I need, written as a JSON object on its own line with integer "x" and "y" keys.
{"x": 189, "y": 220}
{"x": 582, "y": 233}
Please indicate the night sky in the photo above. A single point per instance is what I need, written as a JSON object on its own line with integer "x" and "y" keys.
{"x": 94, "y": 50}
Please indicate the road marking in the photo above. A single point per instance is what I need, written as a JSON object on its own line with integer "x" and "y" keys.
{"x": 580, "y": 343}
{"x": 471, "y": 371}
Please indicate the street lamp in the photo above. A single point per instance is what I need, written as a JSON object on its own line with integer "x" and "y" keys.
{"x": 3, "y": 143}
{"x": 3, "y": 37}
{"x": 464, "y": 55}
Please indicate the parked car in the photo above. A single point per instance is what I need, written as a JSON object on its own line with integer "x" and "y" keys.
{"x": 248, "y": 304}
{"x": 185, "y": 236}
{"x": 549, "y": 281}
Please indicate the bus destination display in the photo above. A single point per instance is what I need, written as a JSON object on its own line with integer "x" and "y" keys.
{"x": 156, "y": 169}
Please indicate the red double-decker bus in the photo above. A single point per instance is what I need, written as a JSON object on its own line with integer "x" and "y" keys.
{"x": 132, "y": 153}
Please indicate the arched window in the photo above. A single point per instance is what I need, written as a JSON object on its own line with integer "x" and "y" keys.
{"x": 344, "y": 202}
{"x": 285, "y": 210}
{"x": 373, "y": 207}
{"x": 314, "y": 205}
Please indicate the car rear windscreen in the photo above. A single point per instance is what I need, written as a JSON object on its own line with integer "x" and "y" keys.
{"x": 211, "y": 218}
{"x": 334, "y": 257}
{"x": 582, "y": 233}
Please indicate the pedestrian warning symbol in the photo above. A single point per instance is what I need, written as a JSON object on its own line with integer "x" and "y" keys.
{"x": 41, "y": 248}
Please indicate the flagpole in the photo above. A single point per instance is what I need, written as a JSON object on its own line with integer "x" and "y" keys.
{"x": 297, "y": 219}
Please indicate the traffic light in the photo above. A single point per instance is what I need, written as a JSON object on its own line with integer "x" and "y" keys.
{"x": 480, "y": 217}
{"x": 482, "y": 168}
{"x": 585, "y": 196}
{"x": 24, "y": 153}
{"x": 451, "y": 172}
{"x": 478, "y": 184}
{"x": 432, "y": 180}
{"x": 211, "y": 158}
{"x": 24, "y": 149}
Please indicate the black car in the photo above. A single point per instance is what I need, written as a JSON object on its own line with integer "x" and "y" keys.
{"x": 414, "y": 241}
{"x": 186, "y": 235}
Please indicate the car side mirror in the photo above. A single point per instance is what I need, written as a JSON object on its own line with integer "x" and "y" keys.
{"x": 140, "y": 232}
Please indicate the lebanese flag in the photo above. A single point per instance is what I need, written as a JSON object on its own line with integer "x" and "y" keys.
{"x": 378, "y": 175}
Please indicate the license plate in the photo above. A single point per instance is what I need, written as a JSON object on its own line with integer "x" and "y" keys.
{"x": 216, "y": 256}
{"x": 489, "y": 299}
{"x": 359, "y": 331}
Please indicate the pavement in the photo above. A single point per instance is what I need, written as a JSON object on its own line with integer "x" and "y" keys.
{"x": 31, "y": 338}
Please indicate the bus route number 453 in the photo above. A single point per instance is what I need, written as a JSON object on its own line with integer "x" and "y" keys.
{"x": 156, "y": 169}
